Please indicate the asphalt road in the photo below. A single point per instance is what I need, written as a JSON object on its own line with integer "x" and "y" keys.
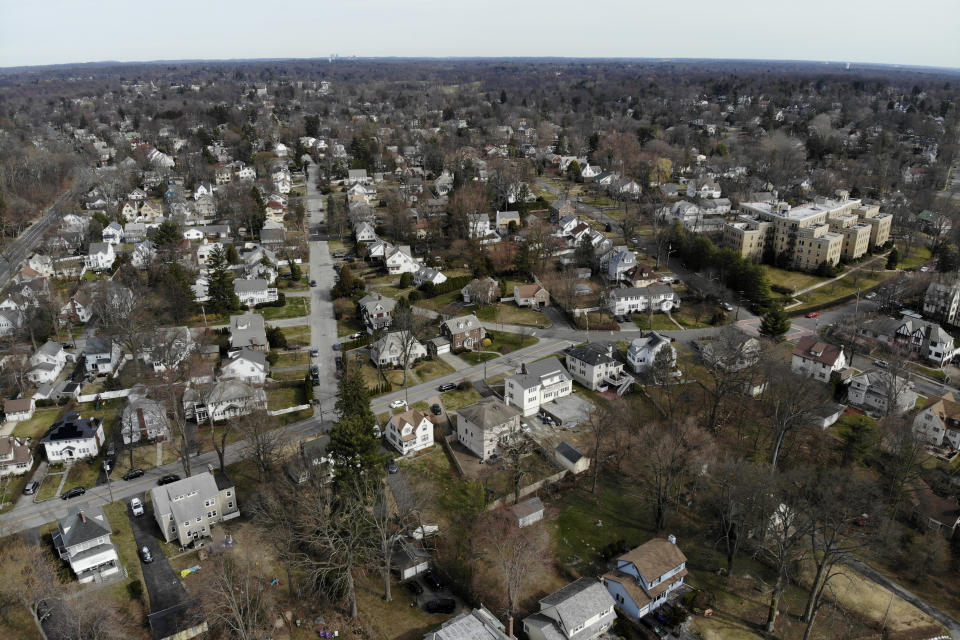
{"x": 21, "y": 248}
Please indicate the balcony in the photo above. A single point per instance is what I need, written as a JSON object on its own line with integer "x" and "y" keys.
{"x": 619, "y": 380}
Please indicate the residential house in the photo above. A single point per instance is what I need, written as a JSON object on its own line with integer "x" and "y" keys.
{"x": 483, "y": 425}
{"x": 247, "y": 365}
{"x": 408, "y": 559}
{"x": 143, "y": 418}
{"x": 150, "y": 212}
{"x": 733, "y": 352}
{"x": 478, "y": 227}
{"x": 620, "y": 264}
{"x": 625, "y": 300}
{"x": 82, "y": 539}
{"x": 255, "y": 291}
{"x": 399, "y": 260}
{"x": 188, "y": 509}
{"x": 47, "y": 363}
{"x": 362, "y": 193}
{"x": 73, "y": 438}
{"x": 562, "y": 208}
{"x": 42, "y": 264}
{"x": 112, "y": 233}
{"x": 19, "y": 409}
{"x": 531, "y": 295}
{"x": 101, "y": 355}
{"x": 939, "y": 421}
{"x": 227, "y": 399}
{"x": 248, "y": 330}
{"x": 645, "y": 577}
{"x": 205, "y": 251}
{"x": 571, "y": 458}
{"x": 464, "y": 332}
{"x": 16, "y": 456}
{"x": 478, "y": 624}
{"x": 942, "y": 300}
{"x": 643, "y": 351}
{"x": 536, "y": 384}
{"x": 935, "y": 513}
{"x": 10, "y": 321}
{"x": 582, "y": 610}
{"x": 882, "y": 391}
{"x": 312, "y": 460}
{"x": 818, "y": 359}
{"x": 79, "y": 308}
{"x": 922, "y": 338}
{"x": 272, "y": 236}
{"x": 589, "y": 172}
{"x": 128, "y": 210}
{"x": 143, "y": 254}
{"x": 358, "y": 176}
{"x": 133, "y": 232}
{"x": 428, "y": 274}
{"x": 364, "y": 232}
{"x": 100, "y": 256}
{"x": 528, "y": 512}
{"x": 409, "y": 432}
{"x": 594, "y": 366}
{"x": 504, "y": 218}
{"x": 394, "y": 347}
{"x": 703, "y": 188}
{"x": 166, "y": 347}
{"x": 376, "y": 311}
{"x": 485, "y": 290}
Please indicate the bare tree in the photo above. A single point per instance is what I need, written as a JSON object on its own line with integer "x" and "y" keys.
{"x": 907, "y": 454}
{"x": 730, "y": 367}
{"x": 91, "y": 619}
{"x": 734, "y": 503}
{"x": 600, "y": 425}
{"x": 236, "y": 599}
{"x": 409, "y": 328}
{"x": 789, "y": 401}
{"x": 276, "y": 516}
{"x": 30, "y": 578}
{"x": 389, "y": 521}
{"x": 264, "y": 441}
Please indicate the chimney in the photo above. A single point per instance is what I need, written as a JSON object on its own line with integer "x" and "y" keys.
{"x": 672, "y": 539}
{"x": 510, "y": 626}
{"x": 83, "y": 517}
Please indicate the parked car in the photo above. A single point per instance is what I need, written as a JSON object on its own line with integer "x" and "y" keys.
{"x": 435, "y": 409}
{"x": 413, "y": 587}
{"x": 432, "y": 580}
{"x": 870, "y": 296}
{"x": 136, "y": 506}
{"x": 376, "y": 431}
{"x": 315, "y": 352}
{"x": 133, "y": 473}
{"x": 392, "y": 467}
{"x": 883, "y": 364}
{"x": 441, "y": 605}
{"x": 525, "y": 427}
{"x": 167, "y": 479}
{"x": 314, "y": 370}
{"x": 73, "y": 493}
{"x": 396, "y": 404}
{"x": 448, "y": 386}
{"x": 726, "y": 306}
{"x": 31, "y": 488}
{"x": 145, "y": 555}
{"x": 313, "y": 283}
{"x": 667, "y": 279}
{"x": 813, "y": 314}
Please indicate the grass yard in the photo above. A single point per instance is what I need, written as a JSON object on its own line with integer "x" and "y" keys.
{"x": 83, "y": 473}
{"x": 293, "y": 359}
{"x": 429, "y": 369}
{"x": 457, "y": 399}
{"x": 441, "y": 302}
{"x": 297, "y": 334}
{"x": 919, "y": 255}
{"x": 144, "y": 457}
{"x": 474, "y": 357}
{"x": 509, "y": 313}
{"x": 19, "y": 623}
{"x": 37, "y": 426}
{"x": 286, "y": 397}
{"x": 48, "y": 487}
{"x": 295, "y": 308}
{"x": 290, "y": 374}
{"x": 395, "y": 620}
{"x": 506, "y": 342}
{"x": 838, "y": 289}
{"x": 661, "y": 322}
{"x": 794, "y": 280}
{"x": 936, "y": 374}
{"x": 126, "y": 545}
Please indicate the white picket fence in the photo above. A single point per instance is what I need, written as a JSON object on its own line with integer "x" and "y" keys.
{"x": 104, "y": 395}
{"x": 280, "y": 412}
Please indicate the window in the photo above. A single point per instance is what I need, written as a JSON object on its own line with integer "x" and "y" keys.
{"x": 229, "y": 505}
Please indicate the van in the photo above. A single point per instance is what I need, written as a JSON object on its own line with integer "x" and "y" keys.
{"x": 31, "y": 488}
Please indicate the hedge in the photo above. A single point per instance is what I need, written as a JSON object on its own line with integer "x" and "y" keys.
{"x": 362, "y": 341}
{"x": 281, "y": 301}
{"x": 431, "y": 290}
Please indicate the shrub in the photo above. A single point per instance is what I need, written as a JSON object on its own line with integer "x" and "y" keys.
{"x": 406, "y": 280}
{"x": 112, "y": 384}
{"x": 779, "y": 288}
{"x": 414, "y": 296}
{"x": 135, "y": 589}
{"x": 275, "y": 338}
{"x": 466, "y": 385}
{"x": 272, "y": 358}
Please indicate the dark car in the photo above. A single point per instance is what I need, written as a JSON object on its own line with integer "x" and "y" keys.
{"x": 314, "y": 370}
{"x": 31, "y": 488}
{"x": 413, "y": 587}
{"x": 441, "y": 605}
{"x": 449, "y": 386}
{"x": 313, "y": 283}
{"x": 392, "y": 467}
{"x": 73, "y": 493}
{"x": 133, "y": 473}
{"x": 436, "y": 410}
{"x": 432, "y": 581}
{"x": 167, "y": 479}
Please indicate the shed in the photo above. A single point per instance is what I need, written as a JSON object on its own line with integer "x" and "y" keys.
{"x": 570, "y": 458}
{"x": 528, "y": 512}
{"x": 438, "y": 345}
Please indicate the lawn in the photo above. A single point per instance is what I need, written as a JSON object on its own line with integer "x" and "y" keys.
{"x": 793, "y": 280}
{"x": 290, "y": 374}
{"x": 838, "y": 289}
{"x": 286, "y": 397}
{"x": 295, "y": 308}
{"x": 83, "y": 473}
{"x": 506, "y": 342}
{"x": 292, "y": 359}
{"x": 429, "y": 369}
{"x": 442, "y": 302}
{"x": 37, "y": 426}
{"x": 19, "y": 623}
{"x": 126, "y": 545}
{"x": 48, "y": 487}
{"x": 509, "y": 313}
{"x": 918, "y": 255}
{"x": 348, "y": 324}
{"x": 297, "y": 334}
{"x": 661, "y": 322}
{"x": 474, "y": 357}
{"x": 457, "y": 399}
{"x": 395, "y": 620}
{"x": 144, "y": 457}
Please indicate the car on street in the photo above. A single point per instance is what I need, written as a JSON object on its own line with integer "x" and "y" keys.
{"x": 392, "y": 467}
{"x": 870, "y": 296}
{"x": 313, "y": 283}
{"x": 435, "y": 409}
{"x": 31, "y": 488}
{"x": 73, "y": 493}
{"x": 167, "y": 479}
{"x": 726, "y": 306}
{"x": 813, "y": 314}
{"x": 133, "y": 473}
{"x": 441, "y": 605}
{"x": 336, "y": 346}
{"x": 136, "y": 506}
{"x": 448, "y": 386}
{"x": 145, "y": 555}
{"x": 432, "y": 581}
{"x": 315, "y": 352}
{"x": 413, "y": 587}
{"x": 667, "y": 279}
{"x": 924, "y": 269}
{"x": 883, "y": 364}
{"x": 396, "y": 404}
{"x": 314, "y": 370}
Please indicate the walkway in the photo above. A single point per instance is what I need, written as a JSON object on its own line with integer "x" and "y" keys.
{"x": 841, "y": 276}
{"x": 454, "y": 361}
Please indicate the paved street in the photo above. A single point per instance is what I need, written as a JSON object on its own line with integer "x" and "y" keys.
{"x": 20, "y": 249}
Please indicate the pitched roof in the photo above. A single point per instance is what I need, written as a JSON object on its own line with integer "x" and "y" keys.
{"x": 812, "y": 348}
{"x": 655, "y": 558}
{"x": 593, "y": 353}
{"x": 83, "y": 525}
{"x": 488, "y": 413}
{"x": 578, "y": 601}
{"x": 569, "y": 452}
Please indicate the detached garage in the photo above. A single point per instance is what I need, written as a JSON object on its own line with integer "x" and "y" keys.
{"x": 571, "y": 459}
{"x": 409, "y": 561}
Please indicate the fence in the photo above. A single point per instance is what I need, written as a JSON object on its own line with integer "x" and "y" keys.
{"x": 280, "y": 412}
{"x": 527, "y": 490}
{"x": 104, "y": 395}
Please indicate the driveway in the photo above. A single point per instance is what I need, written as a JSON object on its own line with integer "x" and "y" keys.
{"x": 163, "y": 585}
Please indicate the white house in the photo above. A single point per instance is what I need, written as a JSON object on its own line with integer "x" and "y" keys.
{"x": 409, "y": 432}
{"x": 188, "y": 509}
{"x": 536, "y": 384}
{"x": 47, "y": 363}
{"x": 227, "y": 399}
{"x": 482, "y": 426}
{"x": 143, "y": 418}
{"x": 19, "y": 409}
{"x": 255, "y": 291}
{"x": 73, "y": 438}
{"x": 16, "y": 456}
{"x": 82, "y": 539}
{"x": 620, "y": 263}
{"x": 645, "y": 577}
{"x": 112, "y": 233}
{"x": 364, "y": 232}
{"x": 882, "y": 391}
{"x": 939, "y": 422}
{"x": 643, "y": 351}
{"x": 399, "y": 260}
{"x": 10, "y": 321}
{"x": 143, "y": 254}
{"x": 101, "y": 355}
{"x": 624, "y": 300}
{"x": 582, "y": 610}
{"x": 247, "y": 365}
{"x": 703, "y": 188}
{"x": 428, "y": 274}
{"x": 818, "y": 359}
{"x": 100, "y": 256}
{"x": 594, "y": 366}
{"x": 388, "y": 351}
{"x": 478, "y": 227}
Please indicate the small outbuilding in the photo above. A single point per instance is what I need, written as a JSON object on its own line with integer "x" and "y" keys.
{"x": 571, "y": 458}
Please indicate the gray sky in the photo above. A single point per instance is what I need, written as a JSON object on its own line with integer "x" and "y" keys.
{"x": 917, "y": 32}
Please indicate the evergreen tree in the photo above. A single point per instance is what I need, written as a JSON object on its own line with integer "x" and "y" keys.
{"x": 352, "y": 445}
{"x": 775, "y": 323}
{"x": 168, "y": 234}
{"x": 893, "y": 258}
{"x": 233, "y": 257}
{"x": 220, "y": 283}
{"x": 177, "y": 286}
{"x": 584, "y": 254}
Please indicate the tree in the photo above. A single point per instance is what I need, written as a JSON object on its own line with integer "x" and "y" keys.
{"x": 893, "y": 258}
{"x": 235, "y": 598}
{"x": 356, "y": 453}
{"x": 789, "y": 403}
{"x": 223, "y": 300}
{"x": 264, "y": 441}
{"x": 168, "y": 235}
{"x": 775, "y": 323}
{"x": 733, "y": 502}
{"x": 30, "y": 578}
{"x": 784, "y": 530}
{"x": 584, "y": 254}
{"x": 730, "y": 366}
{"x": 670, "y": 457}
{"x": 409, "y": 328}
{"x": 406, "y": 280}
{"x": 599, "y": 425}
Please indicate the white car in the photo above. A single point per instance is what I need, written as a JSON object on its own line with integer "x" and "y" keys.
{"x": 396, "y": 404}
{"x": 136, "y": 506}
{"x": 667, "y": 279}
{"x": 376, "y": 431}
{"x": 726, "y": 306}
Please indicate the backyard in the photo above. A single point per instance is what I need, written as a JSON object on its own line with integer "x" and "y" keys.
{"x": 296, "y": 307}
{"x": 297, "y": 334}
{"x": 509, "y": 313}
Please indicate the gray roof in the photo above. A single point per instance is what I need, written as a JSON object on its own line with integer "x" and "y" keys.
{"x": 247, "y": 329}
{"x": 478, "y": 624}
{"x": 569, "y": 452}
{"x": 165, "y": 500}
{"x": 75, "y": 529}
{"x": 51, "y": 349}
{"x": 576, "y": 603}
{"x": 593, "y": 353}
{"x": 534, "y": 372}
{"x": 462, "y": 324}
{"x": 488, "y": 413}
{"x": 250, "y": 286}
{"x": 370, "y": 301}
{"x": 98, "y": 344}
